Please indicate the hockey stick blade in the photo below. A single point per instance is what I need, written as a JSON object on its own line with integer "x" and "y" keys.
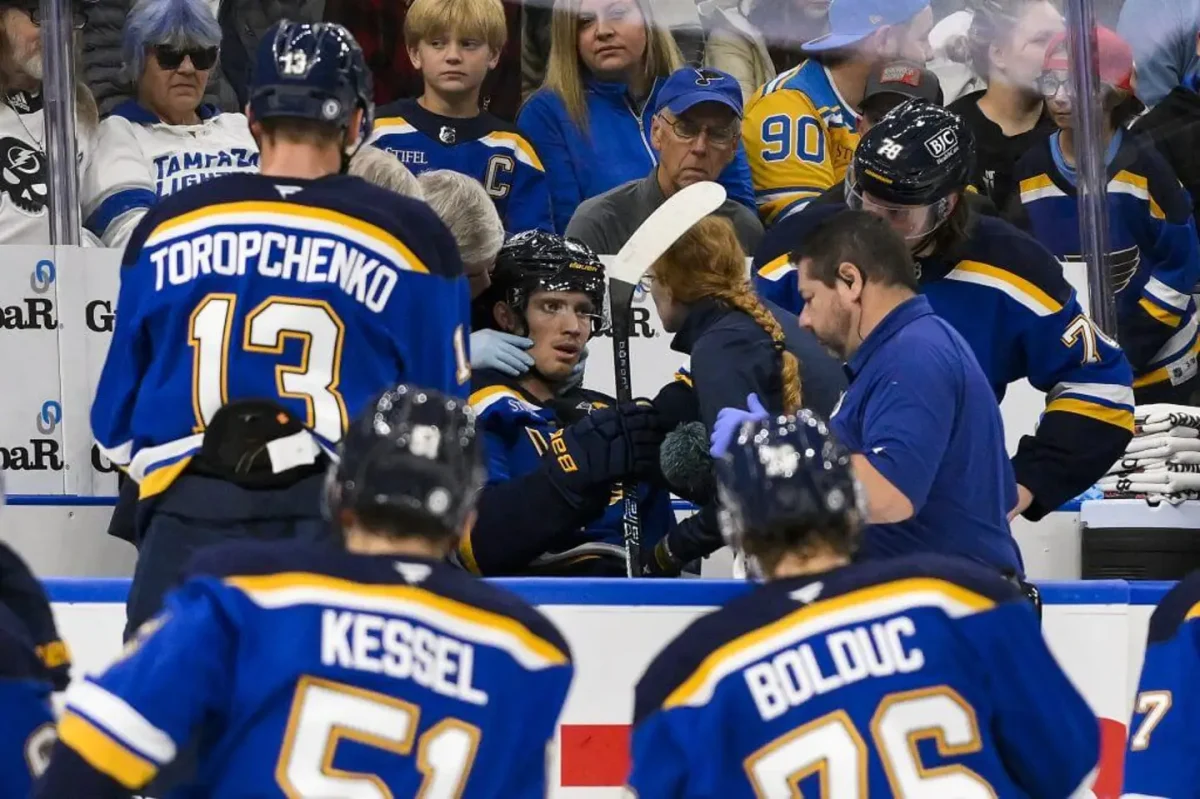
{"x": 663, "y": 228}
{"x": 648, "y": 243}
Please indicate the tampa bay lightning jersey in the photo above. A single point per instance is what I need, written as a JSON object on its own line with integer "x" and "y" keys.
{"x": 517, "y": 429}
{"x": 1152, "y": 237}
{"x": 911, "y": 678}
{"x": 183, "y": 155}
{"x": 315, "y": 293}
{"x": 485, "y": 147}
{"x": 1163, "y": 755}
{"x": 1006, "y": 295}
{"x": 27, "y": 721}
{"x": 309, "y": 671}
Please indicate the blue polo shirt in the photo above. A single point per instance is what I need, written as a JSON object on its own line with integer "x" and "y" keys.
{"x": 922, "y": 412}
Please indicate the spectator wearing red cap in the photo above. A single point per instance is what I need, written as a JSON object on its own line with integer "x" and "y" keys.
{"x": 1173, "y": 126}
{"x": 1154, "y": 258}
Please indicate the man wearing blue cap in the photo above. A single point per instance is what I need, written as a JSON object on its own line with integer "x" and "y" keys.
{"x": 801, "y": 128}
{"x": 695, "y": 131}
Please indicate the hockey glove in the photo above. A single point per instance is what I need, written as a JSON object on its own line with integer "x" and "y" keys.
{"x": 611, "y": 444}
{"x": 493, "y": 349}
{"x": 661, "y": 561}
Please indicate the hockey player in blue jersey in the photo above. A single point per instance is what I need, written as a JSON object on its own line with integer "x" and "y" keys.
{"x": 1001, "y": 290}
{"x": 300, "y": 290}
{"x": 1155, "y": 257}
{"x": 454, "y": 43}
{"x": 1163, "y": 756}
{"x": 33, "y": 663}
{"x": 554, "y": 453}
{"x": 311, "y": 671}
{"x": 916, "y": 677}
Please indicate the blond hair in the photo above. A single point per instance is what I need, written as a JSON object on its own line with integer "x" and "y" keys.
{"x": 708, "y": 262}
{"x": 477, "y": 19}
{"x": 384, "y": 169}
{"x": 565, "y": 70}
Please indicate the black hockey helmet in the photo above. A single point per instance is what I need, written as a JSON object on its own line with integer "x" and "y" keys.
{"x": 312, "y": 70}
{"x": 918, "y": 155}
{"x": 539, "y": 261}
{"x": 784, "y": 480}
{"x": 413, "y": 457}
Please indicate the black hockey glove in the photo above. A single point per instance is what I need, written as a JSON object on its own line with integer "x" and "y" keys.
{"x": 611, "y": 444}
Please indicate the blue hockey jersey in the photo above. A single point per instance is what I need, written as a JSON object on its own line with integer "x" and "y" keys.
{"x": 485, "y": 147}
{"x": 1155, "y": 253}
{"x": 27, "y": 722}
{"x": 912, "y": 678}
{"x": 313, "y": 672}
{"x": 315, "y": 293}
{"x": 1006, "y": 295}
{"x": 1163, "y": 756}
{"x": 517, "y": 429}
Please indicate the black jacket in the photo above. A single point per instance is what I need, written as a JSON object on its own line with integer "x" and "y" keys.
{"x": 1173, "y": 126}
{"x": 732, "y": 357}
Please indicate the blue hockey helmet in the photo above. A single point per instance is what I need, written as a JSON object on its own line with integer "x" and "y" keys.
{"x": 312, "y": 70}
{"x": 411, "y": 462}
{"x": 787, "y": 482}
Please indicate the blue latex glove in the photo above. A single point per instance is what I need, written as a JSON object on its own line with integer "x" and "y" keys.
{"x": 575, "y": 379}
{"x": 730, "y": 421}
{"x": 504, "y": 352}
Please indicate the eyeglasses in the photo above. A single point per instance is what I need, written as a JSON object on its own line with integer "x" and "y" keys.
{"x": 1049, "y": 83}
{"x": 171, "y": 58}
{"x": 688, "y": 131}
{"x": 78, "y": 16}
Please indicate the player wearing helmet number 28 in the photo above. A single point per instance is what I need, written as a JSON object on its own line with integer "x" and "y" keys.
{"x": 370, "y": 668}
{"x": 837, "y": 679}
{"x": 999, "y": 288}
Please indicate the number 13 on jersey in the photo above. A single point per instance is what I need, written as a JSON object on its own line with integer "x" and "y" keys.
{"x": 266, "y": 329}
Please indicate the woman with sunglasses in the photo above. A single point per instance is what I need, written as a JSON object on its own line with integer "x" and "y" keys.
{"x": 170, "y": 49}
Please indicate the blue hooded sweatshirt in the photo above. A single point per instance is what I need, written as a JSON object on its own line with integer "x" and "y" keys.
{"x": 617, "y": 149}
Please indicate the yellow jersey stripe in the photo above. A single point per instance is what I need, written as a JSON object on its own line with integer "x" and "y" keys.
{"x": 103, "y": 753}
{"x": 301, "y": 213}
{"x": 1016, "y": 281}
{"x": 485, "y": 398}
{"x": 337, "y": 591}
{"x": 386, "y": 121}
{"x": 521, "y": 144}
{"x": 1117, "y": 417}
{"x": 1163, "y": 372}
{"x": 1166, "y": 317}
{"x": 920, "y": 591}
{"x": 1036, "y": 182}
{"x": 1193, "y": 612}
{"x": 776, "y": 268}
{"x": 685, "y": 378}
{"x": 466, "y": 554}
{"x": 160, "y": 480}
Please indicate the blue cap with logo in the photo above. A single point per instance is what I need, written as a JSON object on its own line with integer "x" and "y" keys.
{"x": 691, "y": 86}
{"x": 851, "y": 21}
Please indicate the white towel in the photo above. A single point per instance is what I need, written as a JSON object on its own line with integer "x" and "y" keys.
{"x": 1161, "y": 445}
{"x": 1158, "y": 482}
{"x": 1146, "y": 416}
{"x": 1133, "y": 462}
{"x": 1154, "y": 498}
{"x": 1169, "y": 427}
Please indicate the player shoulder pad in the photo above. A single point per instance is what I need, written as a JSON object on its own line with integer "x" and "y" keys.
{"x": 982, "y": 584}
{"x": 467, "y": 589}
{"x": 497, "y": 398}
{"x": 1001, "y": 255}
{"x": 789, "y": 234}
{"x": 1181, "y": 604}
{"x": 18, "y": 658}
{"x": 233, "y": 187}
{"x": 249, "y": 558}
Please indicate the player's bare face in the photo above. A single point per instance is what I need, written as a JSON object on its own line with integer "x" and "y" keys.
{"x": 695, "y": 146}
{"x": 172, "y": 88}
{"x": 23, "y": 65}
{"x": 454, "y": 64}
{"x": 560, "y": 324}
{"x": 825, "y": 313}
{"x": 612, "y": 37}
